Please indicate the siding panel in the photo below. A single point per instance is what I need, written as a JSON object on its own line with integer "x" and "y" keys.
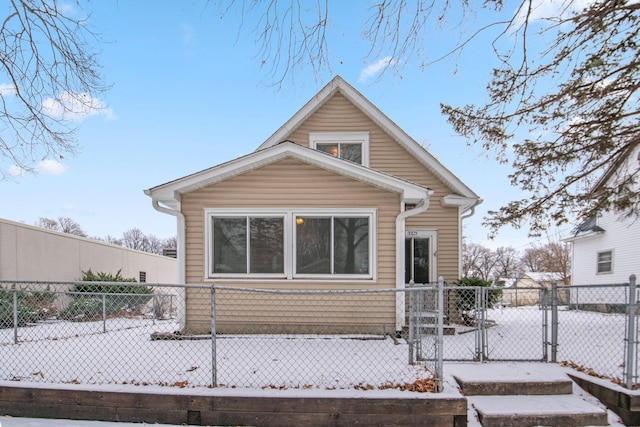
{"x": 289, "y": 184}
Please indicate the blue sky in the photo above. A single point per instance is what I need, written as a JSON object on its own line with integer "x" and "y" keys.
{"x": 186, "y": 94}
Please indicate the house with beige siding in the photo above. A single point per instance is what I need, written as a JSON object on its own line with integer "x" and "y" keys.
{"x": 339, "y": 197}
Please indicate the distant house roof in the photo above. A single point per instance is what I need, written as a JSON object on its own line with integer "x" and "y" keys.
{"x": 506, "y": 282}
{"x": 370, "y": 110}
{"x": 543, "y": 276}
{"x": 588, "y": 226}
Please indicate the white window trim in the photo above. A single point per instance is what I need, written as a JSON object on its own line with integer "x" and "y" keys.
{"x": 254, "y": 213}
{"x": 289, "y": 216}
{"x": 316, "y": 138}
{"x": 598, "y": 261}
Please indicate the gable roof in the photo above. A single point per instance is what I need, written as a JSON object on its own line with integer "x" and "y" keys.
{"x": 338, "y": 84}
{"x": 169, "y": 194}
{"x": 617, "y": 163}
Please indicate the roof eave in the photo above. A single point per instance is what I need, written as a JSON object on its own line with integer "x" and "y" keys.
{"x": 170, "y": 193}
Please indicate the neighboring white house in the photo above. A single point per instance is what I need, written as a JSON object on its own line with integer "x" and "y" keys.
{"x": 33, "y": 253}
{"x": 605, "y": 246}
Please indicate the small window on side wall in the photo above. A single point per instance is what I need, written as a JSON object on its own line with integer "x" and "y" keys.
{"x": 352, "y": 146}
{"x": 605, "y": 262}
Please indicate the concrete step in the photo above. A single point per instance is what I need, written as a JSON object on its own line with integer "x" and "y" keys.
{"x": 511, "y": 379}
{"x": 528, "y": 411}
{"x": 514, "y": 387}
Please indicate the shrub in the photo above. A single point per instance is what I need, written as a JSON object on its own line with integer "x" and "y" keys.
{"x": 467, "y": 297}
{"x": 88, "y": 297}
{"x": 26, "y": 312}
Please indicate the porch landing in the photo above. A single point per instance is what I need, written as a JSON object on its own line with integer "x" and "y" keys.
{"x": 502, "y": 394}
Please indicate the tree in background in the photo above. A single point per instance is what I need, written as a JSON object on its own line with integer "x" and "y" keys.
{"x": 506, "y": 262}
{"x": 562, "y": 100}
{"x": 478, "y": 261}
{"x": 554, "y": 256}
{"x": 49, "y": 76}
{"x": 62, "y": 224}
{"x": 133, "y": 238}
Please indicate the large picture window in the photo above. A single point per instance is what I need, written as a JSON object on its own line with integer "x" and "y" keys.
{"x": 246, "y": 245}
{"x": 291, "y": 244}
{"x": 332, "y": 245}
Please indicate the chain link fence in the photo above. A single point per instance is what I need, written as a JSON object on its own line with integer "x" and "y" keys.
{"x": 115, "y": 333}
{"x": 593, "y": 328}
{"x": 482, "y": 324}
{"x": 597, "y": 330}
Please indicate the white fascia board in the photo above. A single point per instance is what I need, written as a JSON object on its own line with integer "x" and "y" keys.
{"x": 169, "y": 193}
{"x": 382, "y": 120}
{"x": 455, "y": 200}
{"x": 582, "y": 236}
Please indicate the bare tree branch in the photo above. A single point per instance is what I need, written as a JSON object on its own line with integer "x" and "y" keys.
{"x": 48, "y": 77}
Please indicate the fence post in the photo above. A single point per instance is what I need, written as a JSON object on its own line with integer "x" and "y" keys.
{"x": 481, "y": 331}
{"x": 632, "y": 344}
{"x": 104, "y": 313}
{"x": 214, "y": 373}
{"x": 154, "y": 308}
{"x": 15, "y": 316}
{"x": 545, "y": 324}
{"x": 440, "y": 338}
{"x": 412, "y": 326}
{"x": 554, "y": 322}
{"x": 478, "y": 295}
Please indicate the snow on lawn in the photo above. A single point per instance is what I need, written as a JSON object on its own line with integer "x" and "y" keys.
{"x": 589, "y": 339}
{"x": 79, "y": 352}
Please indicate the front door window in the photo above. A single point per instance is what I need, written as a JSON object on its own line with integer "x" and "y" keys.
{"x": 417, "y": 260}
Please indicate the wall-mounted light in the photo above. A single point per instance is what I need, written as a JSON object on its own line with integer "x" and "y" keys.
{"x": 299, "y": 221}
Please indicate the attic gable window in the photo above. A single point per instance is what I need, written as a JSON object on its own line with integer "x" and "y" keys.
{"x": 352, "y": 146}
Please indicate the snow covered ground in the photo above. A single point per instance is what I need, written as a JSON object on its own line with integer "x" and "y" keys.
{"x": 81, "y": 353}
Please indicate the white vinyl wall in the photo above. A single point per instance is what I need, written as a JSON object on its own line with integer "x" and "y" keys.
{"x": 33, "y": 253}
{"x": 622, "y": 237}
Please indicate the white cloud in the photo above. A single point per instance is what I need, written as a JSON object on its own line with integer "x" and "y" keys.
{"x": 75, "y": 106}
{"x": 6, "y": 89}
{"x": 44, "y": 167}
{"x": 16, "y": 171}
{"x": 375, "y": 68}
{"x": 50, "y": 167}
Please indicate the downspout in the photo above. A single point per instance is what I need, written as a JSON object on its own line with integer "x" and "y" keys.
{"x": 181, "y": 304}
{"x": 472, "y": 211}
{"x": 400, "y": 235}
